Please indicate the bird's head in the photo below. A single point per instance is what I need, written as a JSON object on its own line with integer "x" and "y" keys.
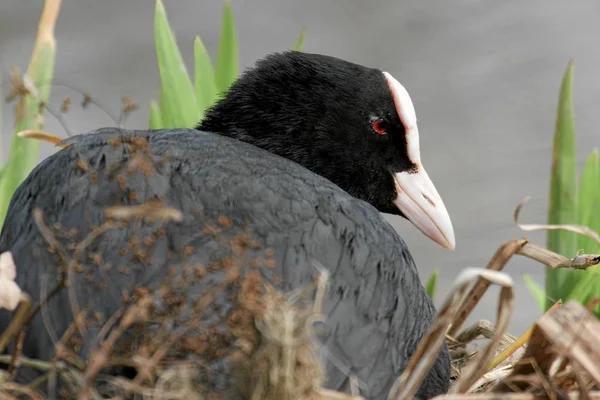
{"x": 354, "y": 125}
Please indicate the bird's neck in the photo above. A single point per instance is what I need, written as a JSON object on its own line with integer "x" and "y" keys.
{"x": 296, "y": 141}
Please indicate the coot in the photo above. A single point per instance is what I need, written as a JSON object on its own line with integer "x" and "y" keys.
{"x": 292, "y": 167}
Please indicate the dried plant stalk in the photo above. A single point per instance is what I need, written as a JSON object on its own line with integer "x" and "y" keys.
{"x": 579, "y": 229}
{"x": 150, "y": 210}
{"x": 520, "y": 342}
{"x": 570, "y": 332}
{"x": 497, "y": 263}
{"x": 513, "y": 396}
{"x": 429, "y": 347}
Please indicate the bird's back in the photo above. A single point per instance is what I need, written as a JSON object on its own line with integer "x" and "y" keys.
{"x": 248, "y": 217}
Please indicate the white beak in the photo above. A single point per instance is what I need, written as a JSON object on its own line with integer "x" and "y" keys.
{"x": 420, "y": 202}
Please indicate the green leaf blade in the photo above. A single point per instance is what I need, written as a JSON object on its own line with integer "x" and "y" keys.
{"x": 228, "y": 63}
{"x": 177, "y": 98}
{"x": 24, "y": 153}
{"x": 589, "y": 201}
{"x": 536, "y": 291}
{"x": 563, "y": 191}
{"x": 587, "y": 289}
{"x": 204, "y": 78}
{"x": 299, "y": 45}
{"x": 155, "y": 117}
{"x": 431, "y": 284}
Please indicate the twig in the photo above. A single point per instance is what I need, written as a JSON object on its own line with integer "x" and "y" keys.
{"x": 14, "y": 387}
{"x": 31, "y": 363}
{"x": 16, "y": 323}
{"x": 87, "y": 99}
{"x": 150, "y": 210}
{"x": 554, "y": 260}
{"x": 95, "y": 234}
{"x": 99, "y": 358}
{"x": 12, "y": 370}
{"x": 39, "y": 135}
{"x": 48, "y": 366}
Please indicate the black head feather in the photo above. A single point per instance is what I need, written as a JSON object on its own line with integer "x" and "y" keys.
{"x": 318, "y": 111}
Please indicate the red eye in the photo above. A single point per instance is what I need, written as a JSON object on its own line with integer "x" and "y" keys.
{"x": 380, "y": 125}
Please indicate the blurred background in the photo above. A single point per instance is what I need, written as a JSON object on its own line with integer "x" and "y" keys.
{"x": 484, "y": 77}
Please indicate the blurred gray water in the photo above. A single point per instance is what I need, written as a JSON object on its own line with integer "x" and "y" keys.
{"x": 483, "y": 75}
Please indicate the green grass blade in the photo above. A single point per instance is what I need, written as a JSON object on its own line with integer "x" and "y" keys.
{"x": 536, "y": 291}
{"x": 589, "y": 204}
{"x": 228, "y": 64}
{"x": 432, "y": 283}
{"x": 204, "y": 79}
{"x": 300, "y": 41}
{"x": 587, "y": 289}
{"x": 24, "y": 153}
{"x": 1, "y": 136}
{"x": 155, "y": 117}
{"x": 563, "y": 191}
{"x": 178, "y": 100}
{"x": 588, "y": 200}
{"x": 166, "y": 118}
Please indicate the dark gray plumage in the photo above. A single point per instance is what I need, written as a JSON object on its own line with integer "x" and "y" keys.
{"x": 376, "y": 307}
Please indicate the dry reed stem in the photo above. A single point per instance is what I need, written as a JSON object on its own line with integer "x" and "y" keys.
{"x": 524, "y": 248}
{"x": 429, "y": 347}
{"x": 16, "y": 322}
{"x": 520, "y": 342}
{"x": 513, "y": 396}
{"x": 503, "y": 255}
{"x": 39, "y": 135}
{"x": 458, "y": 346}
{"x": 491, "y": 378}
{"x": 570, "y": 333}
{"x": 582, "y": 230}
{"x": 150, "y": 210}
{"x": 497, "y": 263}
{"x": 561, "y": 361}
{"x": 48, "y": 21}
{"x": 555, "y": 261}
{"x": 499, "y": 369}
{"x": 286, "y": 366}
{"x": 477, "y": 366}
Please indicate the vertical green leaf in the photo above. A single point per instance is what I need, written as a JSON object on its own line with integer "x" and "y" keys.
{"x": 1, "y": 136}
{"x": 300, "y": 40}
{"x": 587, "y": 289}
{"x": 206, "y": 89}
{"x": 589, "y": 201}
{"x": 588, "y": 207}
{"x": 563, "y": 194}
{"x": 432, "y": 283}
{"x": 166, "y": 118}
{"x": 24, "y": 153}
{"x": 178, "y": 100}
{"x": 155, "y": 117}
{"x": 228, "y": 64}
{"x": 536, "y": 291}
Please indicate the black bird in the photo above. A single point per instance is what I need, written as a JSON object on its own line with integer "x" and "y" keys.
{"x": 296, "y": 161}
